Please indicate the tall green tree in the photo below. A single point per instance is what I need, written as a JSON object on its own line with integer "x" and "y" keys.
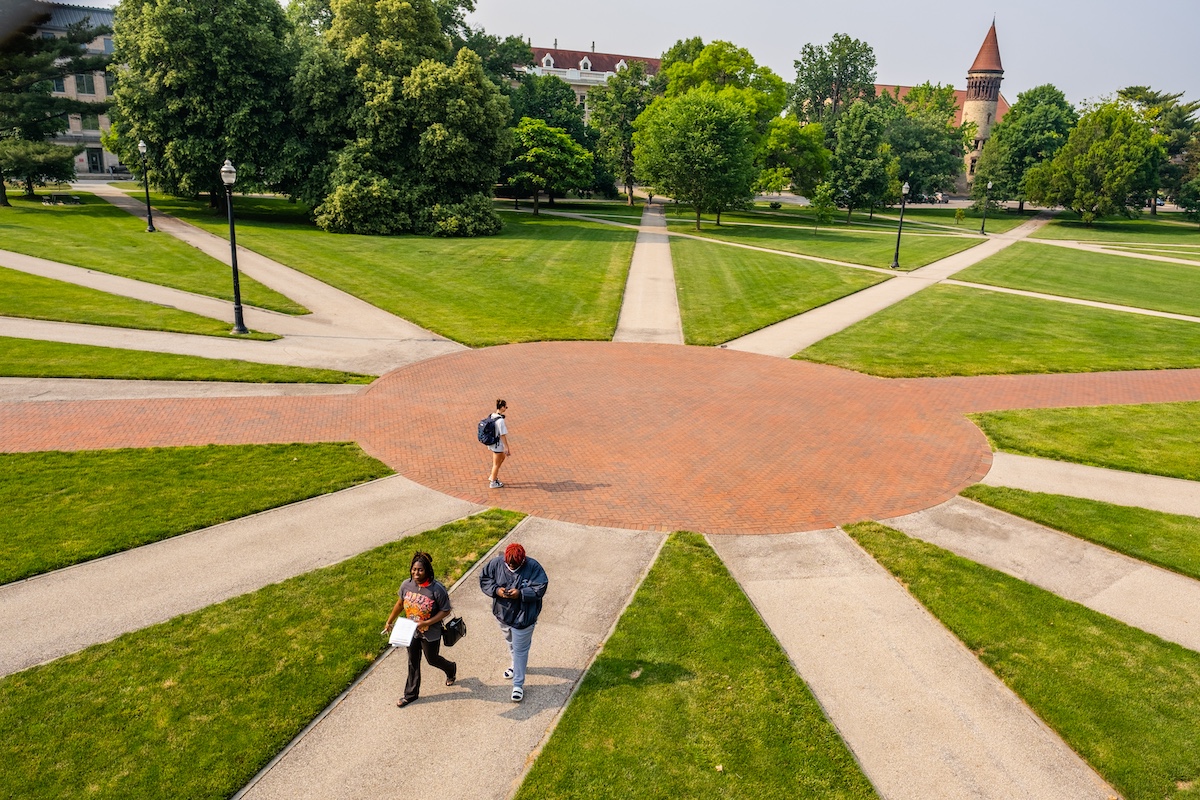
{"x": 695, "y": 147}
{"x": 615, "y": 107}
{"x": 1189, "y": 199}
{"x": 202, "y": 81}
{"x": 1176, "y": 123}
{"x": 1108, "y": 166}
{"x": 1032, "y": 131}
{"x": 830, "y": 78}
{"x": 683, "y": 50}
{"x": 793, "y": 155}
{"x": 861, "y": 158}
{"x": 732, "y": 72}
{"x": 35, "y": 163}
{"x": 551, "y": 99}
{"x": 545, "y": 156}
{"x": 921, "y": 133}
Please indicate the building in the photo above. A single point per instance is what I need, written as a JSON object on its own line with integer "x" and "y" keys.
{"x": 83, "y": 129}
{"x": 583, "y": 69}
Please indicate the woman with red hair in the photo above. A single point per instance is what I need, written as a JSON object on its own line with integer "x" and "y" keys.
{"x": 516, "y": 584}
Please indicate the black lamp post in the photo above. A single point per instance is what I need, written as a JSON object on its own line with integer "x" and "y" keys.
{"x": 146, "y": 185}
{"x": 228, "y": 176}
{"x": 987, "y": 201}
{"x": 900, "y": 227}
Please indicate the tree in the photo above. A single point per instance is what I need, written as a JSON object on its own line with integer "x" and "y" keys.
{"x": 732, "y": 72}
{"x": 545, "y": 156}
{"x": 551, "y": 99}
{"x": 823, "y": 205}
{"x": 929, "y": 154}
{"x": 614, "y": 108}
{"x": 1176, "y": 123}
{"x": 224, "y": 94}
{"x": 1031, "y": 132}
{"x": 859, "y": 170}
{"x": 830, "y": 78}
{"x": 793, "y": 155}
{"x": 685, "y": 50}
{"x": 36, "y": 163}
{"x": 1189, "y": 199}
{"x": 696, "y": 148}
{"x": 1109, "y": 165}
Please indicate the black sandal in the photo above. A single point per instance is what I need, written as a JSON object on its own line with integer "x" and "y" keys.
{"x": 403, "y": 701}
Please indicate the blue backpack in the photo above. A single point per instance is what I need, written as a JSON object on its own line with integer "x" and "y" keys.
{"x": 487, "y": 430}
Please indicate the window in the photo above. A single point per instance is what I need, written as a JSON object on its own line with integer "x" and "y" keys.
{"x": 85, "y": 83}
{"x": 110, "y": 83}
{"x": 585, "y": 65}
{"x": 108, "y": 45}
{"x": 547, "y": 60}
{"x": 90, "y": 122}
{"x": 59, "y": 84}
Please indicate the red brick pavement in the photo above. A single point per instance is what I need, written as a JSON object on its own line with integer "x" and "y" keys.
{"x": 632, "y": 435}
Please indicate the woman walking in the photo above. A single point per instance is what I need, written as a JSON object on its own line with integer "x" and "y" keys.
{"x": 426, "y": 602}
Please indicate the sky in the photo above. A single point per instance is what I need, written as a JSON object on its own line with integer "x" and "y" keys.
{"x": 1087, "y": 48}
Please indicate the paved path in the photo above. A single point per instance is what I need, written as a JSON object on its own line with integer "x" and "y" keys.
{"x": 1171, "y": 495}
{"x": 650, "y": 308}
{"x": 61, "y": 612}
{"x": 1134, "y": 592}
{"x": 1058, "y": 298}
{"x": 20, "y": 390}
{"x": 471, "y": 741}
{"x": 923, "y": 716}
{"x": 783, "y": 339}
{"x": 1099, "y": 248}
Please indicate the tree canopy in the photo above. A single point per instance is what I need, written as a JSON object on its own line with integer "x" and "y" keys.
{"x": 921, "y": 133}
{"x": 1176, "y": 123}
{"x": 1032, "y": 131}
{"x": 615, "y": 107}
{"x": 861, "y": 158}
{"x": 545, "y": 156}
{"x": 830, "y": 78}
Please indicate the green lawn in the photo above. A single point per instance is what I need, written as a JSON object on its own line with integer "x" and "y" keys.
{"x": 98, "y": 235}
{"x": 605, "y": 208}
{"x": 1171, "y": 541}
{"x": 194, "y": 707}
{"x": 1144, "y": 229}
{"x": 540, "y": 278}
{"x": 997, "y": 222}
{"x": 1191, "y": 254}
{"x": 726, "y": 292}
{"x": 839, "y": 244}
{"x": 34, "y": 297}
{"x": 1091, "y": 276}
{"x": 65, "y": 508}
{"x": 31, "y": 358}
{"x": 1156, "y": 438}
{"x": 693, "y": 697}
{"x": 958, "y": 330}
{"x": 1125, "y": 700}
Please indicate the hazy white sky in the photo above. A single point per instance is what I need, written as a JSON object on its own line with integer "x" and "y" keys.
{"x": 1088, "y": 48}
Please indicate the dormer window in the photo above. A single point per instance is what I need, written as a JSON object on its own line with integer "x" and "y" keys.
{"x": 548, "y": 61}
{"x": 585, "y": 65}
{"x": 621, "y": 65}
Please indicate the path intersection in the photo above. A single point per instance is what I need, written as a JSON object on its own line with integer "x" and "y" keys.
{"x": 616, "y": 444}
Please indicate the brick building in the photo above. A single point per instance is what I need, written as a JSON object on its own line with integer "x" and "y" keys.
{"x": 583, "y": 69}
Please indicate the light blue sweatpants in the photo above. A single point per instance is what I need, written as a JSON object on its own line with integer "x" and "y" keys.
{"x": 518, "y": 640}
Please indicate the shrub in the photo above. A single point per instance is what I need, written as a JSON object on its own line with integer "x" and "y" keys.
{"x": 776, "y": 205}
{"x": 475, "y": 216}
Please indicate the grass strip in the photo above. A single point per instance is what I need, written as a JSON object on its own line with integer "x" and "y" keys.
{"x": 33, "y": 358}
{"x": 1156, "y": 285}
{"x": 195, "y": 706}
{"x": 65, "y": 508}
{"x": 1145, "y": 229}
{"x": 959, "y": 330}
{"x": 34, "y": 297}
{"x": 97, "y": 235}
{"x": 1125, "y": 700}
{"x": 727, "y": 292}
{"x": 1153, "y": 438}
{"x": 693, "y": 697}
{"x": 1171, "y": 541}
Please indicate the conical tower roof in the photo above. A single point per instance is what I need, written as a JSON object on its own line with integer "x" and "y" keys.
{"x": 988, "y": 59}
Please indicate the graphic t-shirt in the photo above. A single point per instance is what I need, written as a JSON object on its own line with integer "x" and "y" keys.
{"x": 501, "y": 430}
{"x": 422, "y": 602}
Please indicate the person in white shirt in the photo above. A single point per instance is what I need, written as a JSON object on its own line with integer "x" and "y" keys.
{"x": 500, "y": 450}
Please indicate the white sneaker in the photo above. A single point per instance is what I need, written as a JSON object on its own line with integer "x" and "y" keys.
{"x": 508, "y": 673}
{"x": 518, "y": 694}
{"x": 495, "y": 485}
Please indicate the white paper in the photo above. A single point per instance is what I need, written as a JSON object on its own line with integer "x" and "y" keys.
{"x": 402, "y": 632}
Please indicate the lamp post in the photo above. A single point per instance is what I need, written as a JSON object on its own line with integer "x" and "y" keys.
{"x": 228, "y": 176}
{"x": 146, "y": 185}
{"x": 987, "y": 201}
{"x": 900, "y": 227}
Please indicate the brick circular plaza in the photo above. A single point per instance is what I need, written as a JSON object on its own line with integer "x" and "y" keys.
{"x": 667, "y": 437}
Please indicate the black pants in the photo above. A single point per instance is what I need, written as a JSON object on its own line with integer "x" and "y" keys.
{"x": 412, "y": 688}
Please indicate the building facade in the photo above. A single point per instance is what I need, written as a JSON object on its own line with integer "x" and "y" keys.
{"x": 582, "y": 69}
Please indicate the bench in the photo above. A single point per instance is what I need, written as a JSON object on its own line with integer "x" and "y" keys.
{"x": 62, "y": 200}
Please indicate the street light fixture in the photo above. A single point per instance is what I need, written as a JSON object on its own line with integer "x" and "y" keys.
{"x": 987, "y": 201}
{"x": 900, "y": 227}
{"x": 228, "y": 177}
{"x": 146, "y": 184}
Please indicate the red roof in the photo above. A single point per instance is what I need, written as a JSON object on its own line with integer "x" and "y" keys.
{"x": 960, "y": 95}
{"x": 988, "y": 59}
{"x": 600, "y": 62}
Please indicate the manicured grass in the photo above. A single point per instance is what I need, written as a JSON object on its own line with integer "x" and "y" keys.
{"x": 693, "y": 697}
{"x": 958, "y": 330}
{"x": 1125, "y": 700}
{"x": 726, "y": 292}
{"x": 31, "y": 358}
{"x": 34, "y": 297}
{"x": 1191, "y": 254}
{"x": 601, "y": 207}
{"x": 1091, "y": 276}
{"x": 541, "y": 278}
{"x": 1171, "y": 541}
{"x": 997, "y": 222}
{"x": 1145, "y": 229}
{"x": 1157, "y": 438}
{"x": 65, "y": 508}
{"x": 855, "y": 247}
{"x": 194, "y": 707}
{"x": 98, "y": 235}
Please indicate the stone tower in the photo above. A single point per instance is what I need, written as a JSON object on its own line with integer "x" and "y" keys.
{"x": 983, "y": 93}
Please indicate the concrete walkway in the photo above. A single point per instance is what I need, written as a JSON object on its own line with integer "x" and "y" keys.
{"x": 786, "y": 338}
{"x": 61, "y": 612}
{"x": 1156, "y": 600}
{"x": 920, "y": 712}
{"x": 471, "y": 741}
{"x": 24, "y": 390}
{"x": 1103, "y": 250}
{"x": 1170, "y": 495}
{"x": 1058, "y": 298}
{"x": 650, "y": 308}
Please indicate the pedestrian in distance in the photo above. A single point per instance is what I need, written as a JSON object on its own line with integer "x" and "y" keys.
{"x": 426, "y": 602}
{"x": 516, "y": 584}
{"x": 493, "y": 432}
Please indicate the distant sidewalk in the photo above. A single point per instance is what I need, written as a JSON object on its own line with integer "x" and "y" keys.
{"x": 650, "y": 308}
